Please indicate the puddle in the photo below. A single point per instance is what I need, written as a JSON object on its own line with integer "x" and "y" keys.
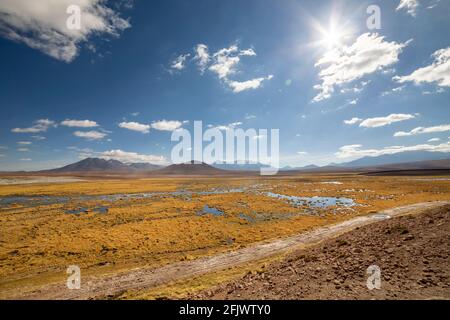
{"x": 314, "y": 202}
{"x": 246, "y": 217}
{"x": 101, "y": 210}
{"x": 208, "y": 210}
{"x": 76, "y": 211}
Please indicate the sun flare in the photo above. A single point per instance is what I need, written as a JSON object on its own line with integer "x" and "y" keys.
{"x": 332, "y": 38}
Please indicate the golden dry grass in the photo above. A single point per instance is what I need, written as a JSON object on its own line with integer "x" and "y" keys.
{"x": 38, "y": 243}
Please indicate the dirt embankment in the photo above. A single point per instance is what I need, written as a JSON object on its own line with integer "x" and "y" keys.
{"x": 412, "y": 252}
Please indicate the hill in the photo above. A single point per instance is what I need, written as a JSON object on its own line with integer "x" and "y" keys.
{"x": 191, "y": 168}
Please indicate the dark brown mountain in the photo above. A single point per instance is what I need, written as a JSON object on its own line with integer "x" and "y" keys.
{"x": 102, "y": 165}
{"x": 92, "y": 164}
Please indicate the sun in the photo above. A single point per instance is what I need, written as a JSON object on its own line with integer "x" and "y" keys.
{"x": 332, "y": 38}
{"x": 332, "y": 35}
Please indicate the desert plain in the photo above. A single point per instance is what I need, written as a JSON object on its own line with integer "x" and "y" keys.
{"x": 114, "y": 228}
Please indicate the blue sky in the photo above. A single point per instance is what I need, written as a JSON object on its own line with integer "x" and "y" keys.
{"x": 138, "y": 70}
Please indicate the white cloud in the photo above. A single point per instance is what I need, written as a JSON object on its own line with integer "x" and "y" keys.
{"x": 409, "y": 5}
{"x": 247, "y": 52}
{"x": 438, "y": 71}
{"x": 225, "y": 61}
{"x": 247, "y": 85}
{"x": 135, "y": 126}
{"x": 42, "y": 24}
{"x": 353, "y": 101}
{"x": 345, "y": 64}
{"x": 356, "y": 89}
{"x": 24, "y": 143}
{"x": 25, "y": 159}
{"x": 90, "y": 135}
{"x": 202, "y": 56}
{"x": 38, "y": 137}
{"x": 130, "y": 157}
{"x": 302, "y": 153}
{"x": 394, "y": 90}
{"x": 355, "y": 150}
{"x": 135, "y": 114}
{"x": 383, "y": 121}
{"x": 229, "y": 126}
{"x": 79, "y": 123}
{"x": 3, "y": 147}
{"x": 41, "y": 125}
{"x": 23, "y": 149}
{"x": 166, "y": 125}
{"x": 250, "y": 116}
{"x": 353, "y": 120}
{"x": 179, "y": 62}
{"x": 434, "y": 140}
{"x": 422, "y": 130}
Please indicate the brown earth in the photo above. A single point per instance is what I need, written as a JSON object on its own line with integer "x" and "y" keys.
{"x": 147, "y": 278}
{"x": 412, "y": 252}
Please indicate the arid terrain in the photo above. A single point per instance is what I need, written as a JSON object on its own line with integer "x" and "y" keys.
{"x": 131, "y": 237}
{"x": 412, "y": 252}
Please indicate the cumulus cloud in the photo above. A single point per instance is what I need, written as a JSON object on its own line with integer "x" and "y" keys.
{"x": 166, "y": 125}
{"x": 353, "y": 120}
{"x": 409, "y": 5}
{"x": 438, "y": 72}
{"x": 79, "y": 123}
{"x": 42, "y": 24}
{"x": 41, "y": 125}
{"x": 224, "y": 64}
{"x": 130, "y": 157}
{"x": 135, "y": 126}
{"x": 356, "y": 151}
{"x": 422, "y": 130}
{"x": 180, "y": 62}
{"x": 225, "y": 61}
{"x": 384, "y": 121}
{"x": 24, "y": 143}
{"x": 237, "y": 86}
{"x": 90, "y": 135}
{"x": 344, "y": 64}
{"x": 202, "y": 56}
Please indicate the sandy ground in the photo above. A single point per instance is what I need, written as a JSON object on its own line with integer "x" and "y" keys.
{"x": 412, "y": 253}
{"x": 142, "y": 278}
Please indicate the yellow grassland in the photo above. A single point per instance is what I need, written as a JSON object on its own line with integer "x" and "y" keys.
{"x": 38, "y": 243}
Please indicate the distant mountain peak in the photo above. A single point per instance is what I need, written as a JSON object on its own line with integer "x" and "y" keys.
{"x": 99, "y": 164}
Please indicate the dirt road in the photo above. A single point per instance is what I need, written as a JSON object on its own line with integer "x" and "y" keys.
{"x": 410, "y": 252}
{"x": 147, "y": 278}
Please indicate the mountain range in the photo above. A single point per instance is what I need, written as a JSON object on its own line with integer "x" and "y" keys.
{"x": 403, "y": 161}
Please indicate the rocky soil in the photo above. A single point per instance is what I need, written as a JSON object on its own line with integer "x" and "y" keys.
{"x": 411, "y": 251}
